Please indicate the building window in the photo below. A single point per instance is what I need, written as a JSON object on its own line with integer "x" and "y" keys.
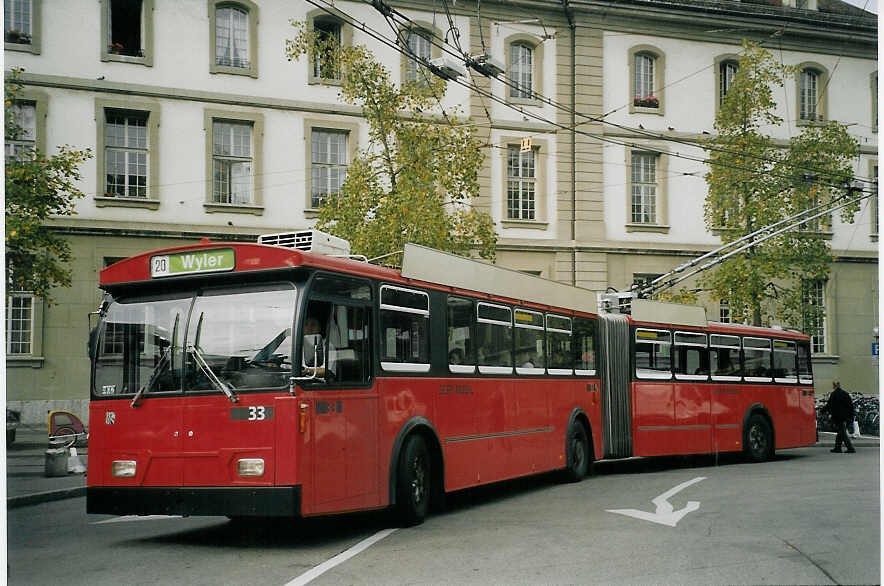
{"x": 815, "y": 319}
{"x": 643, "y": 279}
{"x": 126, "y": 150}
{"x": 233, "y": 38}
{"x": 521, "y": 71}
{"x": 124, "y": 32}
{"x": 643, "y": 81}
{"x": 19, "y": 323}
{"x": 521, "y": 184}
{"x": 231, "y": 162}
{"x": 127, "y": 31}
{"x": 808, "y": 95}
{"x": 644, "y": 188}
{"x": 324, "y": 65}
{"x": 419, "y": 48}
{"x": 328, "y": 166}
{"x": 724, "y": 311}
{"x": 25, "y": 115}
{"x": 727, "y": 71}
{"x": 875, "y": 102}
{"x": 17, "y": 18}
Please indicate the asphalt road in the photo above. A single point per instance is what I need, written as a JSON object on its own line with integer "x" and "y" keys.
{"x": 810, "y": 517}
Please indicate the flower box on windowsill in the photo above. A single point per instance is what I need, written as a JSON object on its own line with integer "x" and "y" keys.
{"x": 646, "y": 102}
{"x": 17, "y": 37}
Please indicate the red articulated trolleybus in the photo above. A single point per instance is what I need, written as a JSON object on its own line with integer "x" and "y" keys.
{"x": 254, "y": 380}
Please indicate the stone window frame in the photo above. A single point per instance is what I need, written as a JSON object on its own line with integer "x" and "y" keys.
{"x": 873, "y": 86}
{"x": 36, "y": 32}
{"x": 719, "y": 62}
{"x": 662, "y": 202}
{"x": 432, "y": 32}
{"x": 352, "y": 129}
{"x": 822, "y": 285}
{"x": 346, "y": 41}
{"x": 146, "y": 59}
{"x": 822, "y": 81}
{"x": 659, "y": 78}
{"x": 537, "y": 81}
{"x": 34, "y": 358}
{"x": 152, "y": 201}
{"x": 252, "y": 10}
{"x": 256, "y": 119}
{"x": 541, "y": 168}
{"x": 40, "y": 99}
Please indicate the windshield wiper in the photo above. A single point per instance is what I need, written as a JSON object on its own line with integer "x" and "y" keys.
{"x": 210, "y": 374}
{"x": 165, "y": 359}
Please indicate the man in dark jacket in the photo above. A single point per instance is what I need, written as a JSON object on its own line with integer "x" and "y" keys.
{"x": 840, "y": 408}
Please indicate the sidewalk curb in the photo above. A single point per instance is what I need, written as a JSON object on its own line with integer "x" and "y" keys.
{"x": 37, "y": 498}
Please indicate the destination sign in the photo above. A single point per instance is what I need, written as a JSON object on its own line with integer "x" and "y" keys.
{"x": 198, "y": 261}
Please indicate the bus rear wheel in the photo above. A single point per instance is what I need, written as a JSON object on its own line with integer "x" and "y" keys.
{"x": 578, "y": 454}
{"x": 758, "y": 439}
{"x": 413, "y": 482}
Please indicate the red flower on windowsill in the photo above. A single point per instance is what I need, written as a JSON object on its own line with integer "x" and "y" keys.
{"x": 646, "y": 102}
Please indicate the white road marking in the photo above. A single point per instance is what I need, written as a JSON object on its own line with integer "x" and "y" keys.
{"x": 339, "y": 559}
{"x": 127, "y": 518}
{"x": 665, "y": 514}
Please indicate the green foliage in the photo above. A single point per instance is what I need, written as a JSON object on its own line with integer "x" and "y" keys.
{"x": 418, "y": 177}
{"x": 755, "y": 182}
{"x": 37, "y": 188}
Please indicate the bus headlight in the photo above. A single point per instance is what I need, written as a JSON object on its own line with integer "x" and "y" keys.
{"x": 123, "y": 468}
{"x": 250, "y": 467}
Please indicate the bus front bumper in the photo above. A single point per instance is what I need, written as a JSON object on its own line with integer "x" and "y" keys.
{"x": 259, "y": 501}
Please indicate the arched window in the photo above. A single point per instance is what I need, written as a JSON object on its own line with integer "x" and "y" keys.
{"x": 647, "y": 66}
{"x": 521, "y": 70}
{"x": 324, "y": 66}
{"x": 808, "y": 94}
{"x": 726, "y": 72}
{"x": 232, "y": 36}
{"x": 419, "y": 49}
{"x": 233, "y": 32}
{"x": 644, "y": 72}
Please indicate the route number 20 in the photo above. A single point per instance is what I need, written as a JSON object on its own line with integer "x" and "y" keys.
{"x": 257, "y": 413}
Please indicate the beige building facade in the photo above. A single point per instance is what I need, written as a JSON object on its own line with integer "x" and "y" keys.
{"x": 201, "y": 127}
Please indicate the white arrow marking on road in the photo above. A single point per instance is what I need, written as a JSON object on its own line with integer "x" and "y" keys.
{"x": 128, "y": 518}
{"x": 665, "y": 513}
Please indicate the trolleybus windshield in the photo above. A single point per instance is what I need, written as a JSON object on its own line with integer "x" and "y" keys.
{"x": 240, "y": 338}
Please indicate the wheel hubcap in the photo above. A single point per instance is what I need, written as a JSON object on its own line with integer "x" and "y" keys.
{"x": 757, "y": 439}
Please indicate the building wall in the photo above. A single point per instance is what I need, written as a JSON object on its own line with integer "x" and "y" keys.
{"x": 579, "y": 235}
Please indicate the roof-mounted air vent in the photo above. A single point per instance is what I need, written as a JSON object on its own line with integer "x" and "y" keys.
{"x": 308, "y": 241}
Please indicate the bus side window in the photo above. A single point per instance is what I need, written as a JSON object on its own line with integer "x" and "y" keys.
{"x": 805, "y": 373}
{"x": 584, "y": 346}
{"x": 724, "y": 357}
{"x": 530, "y": 348}
{"x": 785, "y": 362}
{"x": 494, "y": 338}
{"x": 405, "y": 330}
{"x": 459, "y": 324}
{"x": 652, "y": 354}
{"x": 757, "y": 360}
{"x": 558, "y": 340}
{"x": 691, "y": 356}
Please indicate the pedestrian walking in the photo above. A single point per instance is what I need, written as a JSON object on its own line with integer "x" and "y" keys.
{"x": 840, "y": 408}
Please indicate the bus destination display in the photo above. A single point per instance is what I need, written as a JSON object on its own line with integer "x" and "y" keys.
{"x": 185, "y": 263}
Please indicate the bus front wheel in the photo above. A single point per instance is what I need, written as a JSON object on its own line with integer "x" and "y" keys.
{"x": 758, "y": 439}
{"x": 413, "y": 481}
{"x": 578, "y": 453}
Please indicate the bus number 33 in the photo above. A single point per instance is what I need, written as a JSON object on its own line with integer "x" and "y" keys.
{"x": 251, "y": 413}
